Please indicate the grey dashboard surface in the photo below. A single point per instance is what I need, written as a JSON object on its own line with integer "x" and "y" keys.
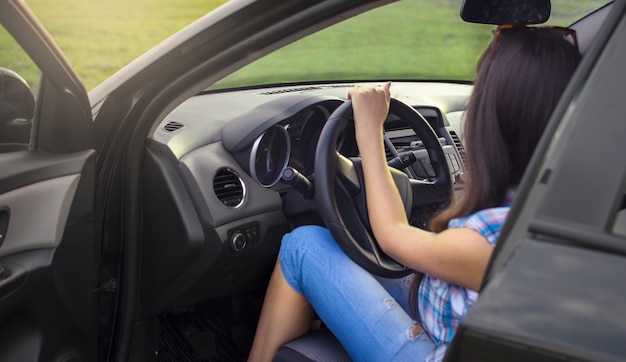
{"x": 202, "y": 117}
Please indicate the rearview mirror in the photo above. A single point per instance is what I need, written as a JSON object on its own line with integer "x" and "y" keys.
{"x": 500, "y": 12}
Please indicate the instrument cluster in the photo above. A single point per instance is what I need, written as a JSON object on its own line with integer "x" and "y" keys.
{"x": 290, "y": 143}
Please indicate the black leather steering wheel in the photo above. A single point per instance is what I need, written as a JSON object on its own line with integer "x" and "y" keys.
{"x": 340, "y": 193}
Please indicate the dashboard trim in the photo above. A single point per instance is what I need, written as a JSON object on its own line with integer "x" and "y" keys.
{"x": 255, "y": 156}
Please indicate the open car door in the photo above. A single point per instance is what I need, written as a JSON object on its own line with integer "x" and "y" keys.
{"x": 47, "y": 179}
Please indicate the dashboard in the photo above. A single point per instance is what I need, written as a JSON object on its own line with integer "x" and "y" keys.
{"x": 235, "y": 170}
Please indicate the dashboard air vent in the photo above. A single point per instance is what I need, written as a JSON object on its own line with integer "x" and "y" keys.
{"x": 290, "y": 90}
{"x": 173, "y": 126}
{"x": 460, "y": 148}
{"x": 229, "y": 188}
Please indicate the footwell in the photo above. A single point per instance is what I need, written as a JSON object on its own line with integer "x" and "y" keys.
{"x": 216, "y": 331}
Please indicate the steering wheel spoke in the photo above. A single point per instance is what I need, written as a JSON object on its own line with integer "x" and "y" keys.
{"x": 427, "y": 193}
{"x": 347, "y": 174}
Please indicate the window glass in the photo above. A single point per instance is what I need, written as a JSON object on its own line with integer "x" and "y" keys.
{"x": 18, "y": 78}
{"x": 406, "y": 40}
{"x": 100, "y": 37}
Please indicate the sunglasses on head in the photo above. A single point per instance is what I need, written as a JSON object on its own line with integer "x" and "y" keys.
{"x": 565, "y": 32}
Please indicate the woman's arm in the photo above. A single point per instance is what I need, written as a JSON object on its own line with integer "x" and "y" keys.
{"x": 459, "y": 256}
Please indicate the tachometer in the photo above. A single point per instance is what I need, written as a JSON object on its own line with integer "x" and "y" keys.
{"x": 313, "y": 123}
{"x": 270, "y": 155}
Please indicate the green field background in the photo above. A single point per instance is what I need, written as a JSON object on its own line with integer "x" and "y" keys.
{"x": 100, "y": 36}
{"x": 405, "y": 40}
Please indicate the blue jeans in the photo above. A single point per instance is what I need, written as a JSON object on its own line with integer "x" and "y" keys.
{"x": 367, "y": 314}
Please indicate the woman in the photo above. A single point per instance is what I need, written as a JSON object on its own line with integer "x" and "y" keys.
{"x": 520, "y": 78}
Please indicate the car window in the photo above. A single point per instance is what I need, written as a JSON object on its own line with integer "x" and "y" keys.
{"x": 18, "y": 78}
{"x": 567, "y": 12}
{"x": 405, "y": 40}
{"x": 410, "y": 40}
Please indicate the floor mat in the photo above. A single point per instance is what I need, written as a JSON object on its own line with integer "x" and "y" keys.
{"x": 220, "y": 330}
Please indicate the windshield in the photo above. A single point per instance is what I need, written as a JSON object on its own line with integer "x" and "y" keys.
{"x": 407, "y": 40}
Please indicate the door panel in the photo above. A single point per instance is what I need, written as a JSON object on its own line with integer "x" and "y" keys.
{"x": 37, "y": 214}
{"x": 46, "y": 260}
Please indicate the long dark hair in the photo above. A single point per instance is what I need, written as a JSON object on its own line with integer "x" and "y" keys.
{"x": 517, "y": 87}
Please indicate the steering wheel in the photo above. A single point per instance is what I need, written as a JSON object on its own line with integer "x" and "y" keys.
{"x": 340, "y": 191}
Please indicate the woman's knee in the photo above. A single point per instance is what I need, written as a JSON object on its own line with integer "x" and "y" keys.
{"x": 298, "y": 248}
{"x": 305, "y": 243}
{"x": 307, "y": 239}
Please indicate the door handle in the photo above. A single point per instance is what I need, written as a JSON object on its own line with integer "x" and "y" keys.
{"x": 5, "y": 215}
{"x": 4, "y": 272}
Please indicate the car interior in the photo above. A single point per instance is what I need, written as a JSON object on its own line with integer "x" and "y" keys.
{"x": 225, "y": 173}
{"x": 228, "y": 173}
{"x": 232, "y": 175}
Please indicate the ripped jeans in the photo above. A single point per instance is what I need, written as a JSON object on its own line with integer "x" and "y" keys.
{"x": 367, "y": 314}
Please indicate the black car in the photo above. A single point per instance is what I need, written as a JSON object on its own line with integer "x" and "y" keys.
{"x": 141, "y": 220}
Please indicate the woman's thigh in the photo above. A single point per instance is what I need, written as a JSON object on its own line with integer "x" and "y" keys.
{"x": 361, "y": 313}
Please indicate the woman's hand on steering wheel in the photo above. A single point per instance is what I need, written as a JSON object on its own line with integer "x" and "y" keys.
{"x": 370, "y": 109}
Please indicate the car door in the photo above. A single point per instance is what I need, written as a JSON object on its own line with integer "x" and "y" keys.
{"x": 555, "y": 290}
{"x": 47, "y": 179}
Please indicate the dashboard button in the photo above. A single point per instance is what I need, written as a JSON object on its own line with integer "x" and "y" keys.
{"x": 238, "y": 241}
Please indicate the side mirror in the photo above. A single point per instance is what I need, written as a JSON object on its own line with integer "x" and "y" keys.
{"x": 17, "y": 106}
{"x": 500, "y": 12}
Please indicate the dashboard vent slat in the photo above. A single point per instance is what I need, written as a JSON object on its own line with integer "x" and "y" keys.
{"x": 229, "y": 188}
{"x": 459, "y": 146}
{"x": 291, "y": 90}
{"x": 173, "y": 126}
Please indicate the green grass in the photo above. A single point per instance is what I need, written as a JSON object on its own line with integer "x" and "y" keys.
{"x": 406, "y": 40}
{"x": 100, "y": 36}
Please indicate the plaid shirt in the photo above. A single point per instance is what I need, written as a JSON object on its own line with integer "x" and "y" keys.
{"x": 442, "y": 305}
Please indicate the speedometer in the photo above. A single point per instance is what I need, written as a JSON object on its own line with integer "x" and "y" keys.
{"x": 270, "y": 155}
